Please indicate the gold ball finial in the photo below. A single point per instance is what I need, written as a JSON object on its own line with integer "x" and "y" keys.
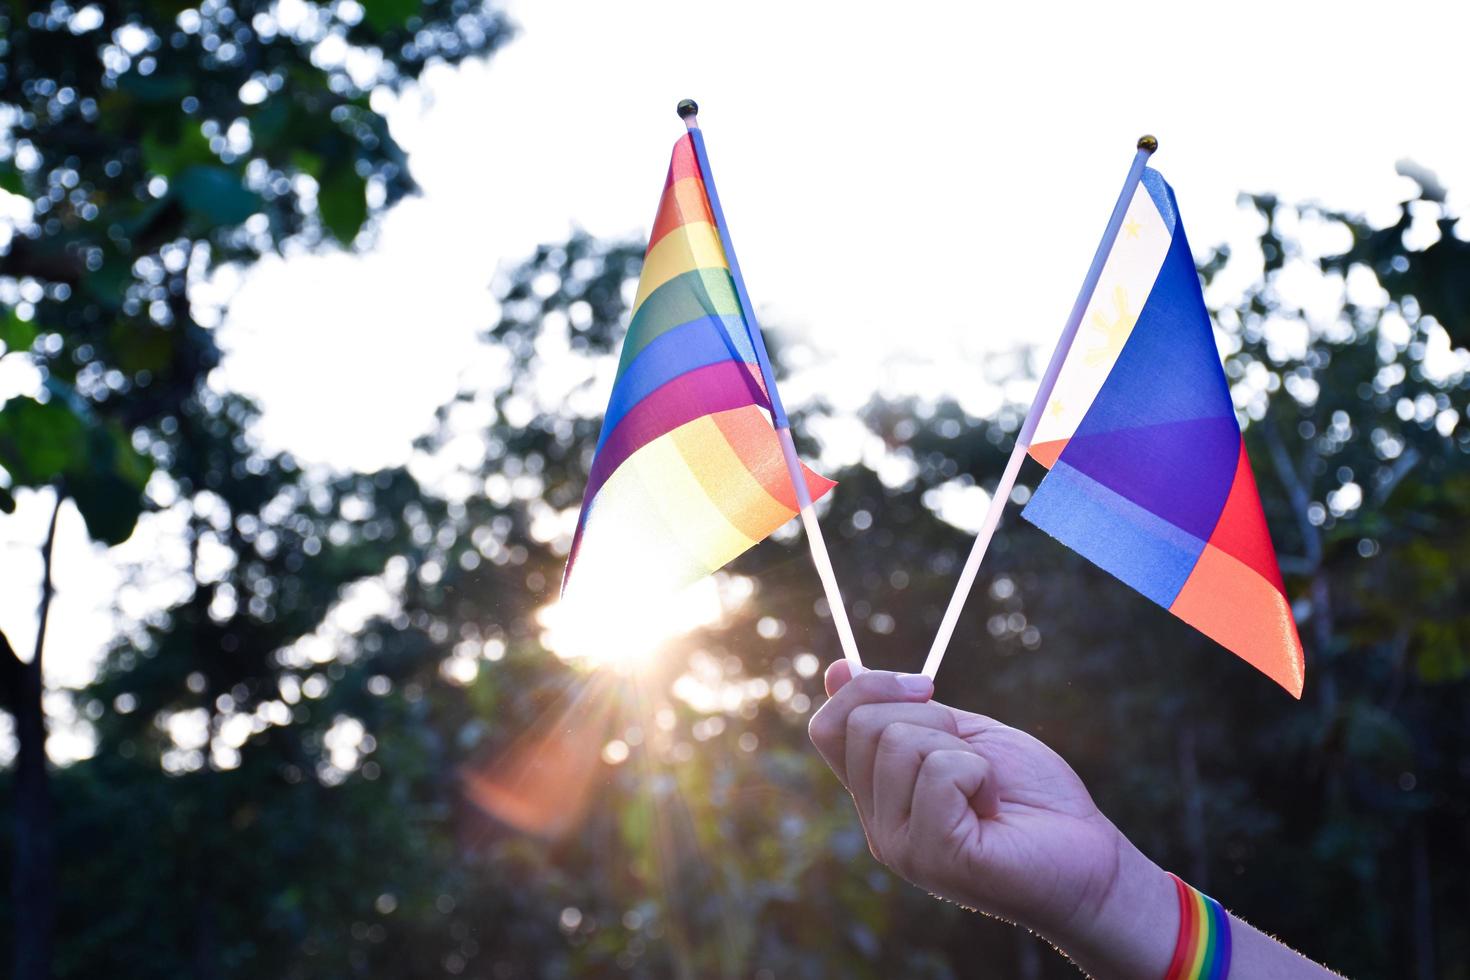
{"x": 1148, "y": 143}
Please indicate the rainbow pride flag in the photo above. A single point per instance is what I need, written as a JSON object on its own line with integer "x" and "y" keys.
{"x": 688, "y": 471}
{"x": 1149, "y": 477}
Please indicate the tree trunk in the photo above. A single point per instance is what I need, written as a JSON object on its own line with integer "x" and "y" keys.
{"x": 1423, "y": 904}
{"x": 33, "y": 881}
{"x": 206, "y": 919}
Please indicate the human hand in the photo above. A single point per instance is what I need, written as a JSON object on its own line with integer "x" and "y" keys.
{"x": 989, "y": 817}
{"x": 986, "y": 816}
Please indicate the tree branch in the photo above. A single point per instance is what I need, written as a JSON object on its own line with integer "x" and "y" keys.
{"x": 33, "y": 877}
{"x": 1296, "y": 491}
{"x": 12, "y": 671}
{"x": 48, "y": 588}
{"x": 1400, "y": 469}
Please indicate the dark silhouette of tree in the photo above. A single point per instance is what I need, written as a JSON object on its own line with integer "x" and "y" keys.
{"x": 155, "y": 141}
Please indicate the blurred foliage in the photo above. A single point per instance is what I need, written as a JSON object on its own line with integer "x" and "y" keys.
{"x": 155, "y": 141}
{"x": 295, "y": 760}
{"x": 152, "y": 143}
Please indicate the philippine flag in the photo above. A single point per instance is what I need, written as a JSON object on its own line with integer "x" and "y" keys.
{"x": 1149, "y": 475}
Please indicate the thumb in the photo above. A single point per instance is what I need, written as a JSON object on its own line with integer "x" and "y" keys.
{"x": 839, "y": 672}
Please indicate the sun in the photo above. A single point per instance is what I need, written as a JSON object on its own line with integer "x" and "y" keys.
{"x": 616, "y": 628}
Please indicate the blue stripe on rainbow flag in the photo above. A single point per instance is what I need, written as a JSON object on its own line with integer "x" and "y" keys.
{"x": 684, "y": 348}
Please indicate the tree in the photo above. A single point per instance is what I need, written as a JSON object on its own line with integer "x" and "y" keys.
{"x": 155, "y": 142}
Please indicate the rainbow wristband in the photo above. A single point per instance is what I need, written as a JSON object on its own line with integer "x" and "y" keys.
{"x": 1202, "y": 951}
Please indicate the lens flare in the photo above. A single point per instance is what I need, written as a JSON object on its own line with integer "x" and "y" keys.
{"x": 618, "y": 629}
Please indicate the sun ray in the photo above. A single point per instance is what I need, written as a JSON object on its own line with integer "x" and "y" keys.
{"x": 542, "y": 784}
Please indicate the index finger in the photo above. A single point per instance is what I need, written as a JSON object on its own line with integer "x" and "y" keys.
{"x": 828, "y": 728}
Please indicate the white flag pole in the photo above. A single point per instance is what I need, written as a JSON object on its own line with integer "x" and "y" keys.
{"x": 1146, "y": 146}
{"x": 689, "y": 111}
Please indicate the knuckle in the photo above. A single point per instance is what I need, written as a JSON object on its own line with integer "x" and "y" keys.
{"x": 863, "y": 718}
{"x": 934, "y": 765}
{"x": 961, "y": 761}
{"x": 936, "y": 740}
{"x": 822, "y": 729}
{"x": 869, "y": 680}
{"x": 890, "y": 737}
{"x": 925, "y": 741}
{"x": 897, "y": 737}
{"x": 873, "y": 685}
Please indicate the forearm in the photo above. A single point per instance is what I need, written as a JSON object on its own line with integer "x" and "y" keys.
{"x": 1258, "y": 955}
{"x": 1133, "y": 934}
{"x": 1130, "y": 935}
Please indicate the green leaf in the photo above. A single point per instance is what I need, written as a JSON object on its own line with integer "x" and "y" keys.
{"x": 385, "y": 15}
{"x": 40, "y": 442}
{"x": 141, "y": 346}
{"x": 281, "y": 125}
{"x": 342, "y": 201}
{"x": 307, "y": 162}
{"x": 10, "y": 179}
{"x": 156, "y": 88}
{"x": 61, "y": 441}
{"x": 15, "y": 333}
{"x": 172, "y": 146}
{"x": 109, "y": 284}
{"x": 109, "y": 510}
{"x": 108, "y": 490}
{"x": 7, "y": 502}
{"x": 215, "y": 194}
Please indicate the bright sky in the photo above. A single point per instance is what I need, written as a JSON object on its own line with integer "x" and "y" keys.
{"x": 908, "y": 185}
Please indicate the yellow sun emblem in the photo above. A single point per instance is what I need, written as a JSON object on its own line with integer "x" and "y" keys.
{"x": 1115, "y": 331}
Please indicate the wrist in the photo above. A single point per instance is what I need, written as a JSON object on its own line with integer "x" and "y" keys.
{"x": 1131, "y": 931}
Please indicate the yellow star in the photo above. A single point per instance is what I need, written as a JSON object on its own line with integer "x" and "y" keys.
{"x": 1055, "y": 409}
{"x": 1133, "y": 228}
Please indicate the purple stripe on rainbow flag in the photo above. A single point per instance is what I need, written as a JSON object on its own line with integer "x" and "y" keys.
{"x": 703, "y": 391}
{"x": 706, "y": 341}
